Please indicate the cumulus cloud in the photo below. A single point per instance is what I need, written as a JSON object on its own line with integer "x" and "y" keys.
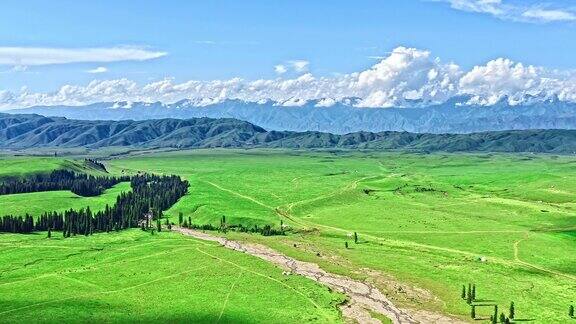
{"x": 29, "y": 56}
{"x": 517, "y": 83}
{"x": 406, "y": 74}
{"x": 100, "y": 69}
{"x": 406, "y": 77}
{"x": 505, "y": 10}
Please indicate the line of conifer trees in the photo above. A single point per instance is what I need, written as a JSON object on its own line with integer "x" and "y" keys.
{"x": 266, "y": 230}
{"x": 79, "y": 183}
{"x": 149, "y": 196}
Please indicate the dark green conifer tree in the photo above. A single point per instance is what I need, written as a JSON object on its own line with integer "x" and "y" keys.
{"x": 495, "y": 313}
{"x": 463, "y": 294}
{"x": 512, "y": 311}
{"x": 473, "y": 312}
{"x": 355, "y": 237}
{"x": 469, "y": 295}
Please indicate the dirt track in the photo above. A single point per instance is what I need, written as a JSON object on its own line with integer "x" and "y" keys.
{"x": 363, "y": 297}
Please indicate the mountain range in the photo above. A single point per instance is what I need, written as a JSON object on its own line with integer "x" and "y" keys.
{"x": 36, "y": 131}
{"x": 340, "y": 117}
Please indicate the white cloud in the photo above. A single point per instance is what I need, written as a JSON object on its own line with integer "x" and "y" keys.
{"x": 100, "y": 69}
{"x": 6, "y": 96}
{"x": 300, "y": 65}
{"x": 407, "y": 74}
{"x": 524, "y": 13}
{"x": 548, "y": 15}
{"x": 406, "y": 77}
{"x": 517, "y": 83}
{"x": 28, "y": 56}
{"x": 15, "y": 69}
{"x": 297, "y": 66}
{"x": 19, "y": 68}
{"x": 493, "y": 7}
{"x": 280, "y": 69}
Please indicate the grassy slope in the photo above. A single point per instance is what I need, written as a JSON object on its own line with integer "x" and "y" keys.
{"x": 477, "y": 205}
{"x": 11, "y": 166}
{"x": 120, "y": 277}
{"x": 20, "y": 166}
{"x": 37, "y": 203}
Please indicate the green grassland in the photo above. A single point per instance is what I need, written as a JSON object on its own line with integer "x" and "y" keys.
{"x": 135, "y": 276}
{"x": 423, "y": 220}
{"x": 19, "y": 166}
{"x": 37, "y": 203}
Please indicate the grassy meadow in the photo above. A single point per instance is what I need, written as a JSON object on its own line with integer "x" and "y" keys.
{"x": 135, "y": 276}
{"x": 425, "y": 222}
{"x": 21, "y": 166}
{"x": 36, "y": 203}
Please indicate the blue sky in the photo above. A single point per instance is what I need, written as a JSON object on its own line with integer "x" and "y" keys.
{"x": 224, "y": 39}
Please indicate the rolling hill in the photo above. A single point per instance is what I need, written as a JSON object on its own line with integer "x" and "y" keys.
{"x": 34, "y": 131}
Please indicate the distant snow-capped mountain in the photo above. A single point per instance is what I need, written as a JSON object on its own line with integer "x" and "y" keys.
{"x": 328, "y": 115}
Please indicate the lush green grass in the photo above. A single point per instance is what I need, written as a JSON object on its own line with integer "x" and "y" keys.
{"x": 425, "y": 219}
{"x": 135, "y": 276}
{"x": 21, "y": 166}
{"x": 37, "y": 203}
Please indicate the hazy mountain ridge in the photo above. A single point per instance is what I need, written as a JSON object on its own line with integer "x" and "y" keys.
{"x": 341, "y": 118}
{"x": 33, "y": 131}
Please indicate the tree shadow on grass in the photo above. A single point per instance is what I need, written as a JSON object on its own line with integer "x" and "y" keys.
{"x": 486, "y": 303}
{"x": 479, "y": 302}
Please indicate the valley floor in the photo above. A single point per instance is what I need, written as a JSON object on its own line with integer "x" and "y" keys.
{"x": 427, "y": 224}
{"x": 416, "y": 227}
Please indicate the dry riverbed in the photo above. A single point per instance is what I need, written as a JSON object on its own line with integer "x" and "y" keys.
{"x": 363, "y": 298}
